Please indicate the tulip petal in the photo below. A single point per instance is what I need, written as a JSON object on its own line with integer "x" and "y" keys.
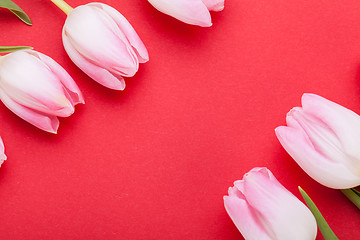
{"x": 321, "y": 137}
{"x": 329, "y": 173}
{"x": 128, "y": 30}
{"x": 189, "y": 11}
{"x": 45, "y": 122}
{"x": 95, "y": 35}
{"x": 2, "y": 152}
{"x": 244, "y": 218}
{"x": 277, "y": 206}
{"x": 67, "y": 81}
{"x": 214, "y": 5}
{"x": 262, "y": 208}
{"x": 46, "y": 94}
{"x": 343, "y": 122}
{"x": 99, "y": 74}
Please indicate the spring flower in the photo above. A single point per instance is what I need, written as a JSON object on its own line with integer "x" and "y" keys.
{"x": 2, "y": 152}
{"x": 323, "y": 138}
{"x": 103, "y": 44}
{"x": 195, "y": 12}
{"x": 261, "y": 208}
{"x": 37, "y": 89}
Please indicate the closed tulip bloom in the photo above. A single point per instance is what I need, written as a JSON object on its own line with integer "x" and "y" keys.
{"x": 37, "y": 89}
{"x": 103, "y": 44}
{"x": 2, "y": 152}
{"x": 263, "y": 209}
{"x": 323, "y": 138}
{"x": 195, "y": 12}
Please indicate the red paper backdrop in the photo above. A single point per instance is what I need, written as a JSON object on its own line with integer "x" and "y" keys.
{"x": 153, "y": 161}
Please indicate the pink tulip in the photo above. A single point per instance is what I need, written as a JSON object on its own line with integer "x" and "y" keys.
{"x": 195, "y": 12}
{"x": 323, "y": 138}
{"x": 261, "y": 208}
{"x": 37, "y": 89}
{"x": 103, "y": 44}
{"x": 2, "y": 152}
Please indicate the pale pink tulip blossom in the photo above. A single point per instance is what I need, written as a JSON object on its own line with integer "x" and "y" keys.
{"x": 324, "y": 139}
{"x": 37, "y": 89}
{"x": 103, "y": 44}
{"x": 262, "y": 208}
{"x": 2, "y": 152}
{"x": 195, "y": 12}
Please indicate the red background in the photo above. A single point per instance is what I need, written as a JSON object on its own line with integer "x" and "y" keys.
{"x": 153, "y": 161}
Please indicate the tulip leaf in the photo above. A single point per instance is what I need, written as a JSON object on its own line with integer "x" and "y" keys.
{"x": 324, "y": 227}
{"x": 16, "y": 10}
{"x": 5, "y": 49}
{"x": 352, "y": 195}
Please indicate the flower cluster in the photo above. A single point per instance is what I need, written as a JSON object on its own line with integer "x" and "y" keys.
{"x": 322, "y": 137}
{"x": 100, "y": 41}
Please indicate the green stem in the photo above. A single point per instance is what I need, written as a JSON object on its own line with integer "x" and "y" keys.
{"x": 66, "y": 8}
{"x": 324, "y": 227}
{"x": 7, "y": 49}
{"x": 356, "y": 191}
{"x": 352, "y": 195}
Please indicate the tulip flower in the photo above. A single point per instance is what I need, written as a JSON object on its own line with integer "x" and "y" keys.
{"x": 323, "y": 138}
{"x": 2, "y": 152}
{"x": 261, "y": 208}
{"x": 37, "y": 89}
{"x": 195, "y": 12}
{"x": 102, "y": 43}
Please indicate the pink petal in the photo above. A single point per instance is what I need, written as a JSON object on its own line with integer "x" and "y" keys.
{"x": 96, "y": 36}
{"x": 214, "y": 5}
{"x": 128, "y": 30}
{"x": 45, "y": 122}
{"x": 27, "y": 79}
{"x": 277, "y": 206}
{"x": 189, "y": 11}
{"x": 343, "y": 122}
{"x": 99, "y": 74}
{"x": 2, "y": 152}
{"x": 67, "y": 81}
{"x": 244, "y": 218}
{"x": 329, "y": 173}
{"x": 321, "y": 137}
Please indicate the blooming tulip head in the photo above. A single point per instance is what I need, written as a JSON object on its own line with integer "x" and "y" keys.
{"x": 103, "y": 44}
{"x": 324, "y": 139}
{"x": 195, "y": 12}
{"x": 37, "y": 89}
{"x": 261, "y": 208}
{"x": 2, "y": 152}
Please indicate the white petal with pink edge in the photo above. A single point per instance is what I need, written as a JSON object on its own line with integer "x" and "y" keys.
{"x": 128, "y": 30}
{"x": 189, "y": 11}
{"x": 45, "y": 122}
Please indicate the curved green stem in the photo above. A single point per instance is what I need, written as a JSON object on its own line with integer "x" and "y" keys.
{"x": 66, "y": 8}
{"x": 352, "y": 195}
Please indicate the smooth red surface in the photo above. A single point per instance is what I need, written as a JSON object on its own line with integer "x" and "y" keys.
{"x": 153, "y": 161}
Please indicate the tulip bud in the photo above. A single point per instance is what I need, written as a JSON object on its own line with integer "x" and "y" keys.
{"x": 37, "y": 89}
{"x": 323, "y": 138}
{"x": 261, "y": 208}
{"x": 195, "y": 12}
{"x": 103, "y": 44}
{"x": 2, "y": 152}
